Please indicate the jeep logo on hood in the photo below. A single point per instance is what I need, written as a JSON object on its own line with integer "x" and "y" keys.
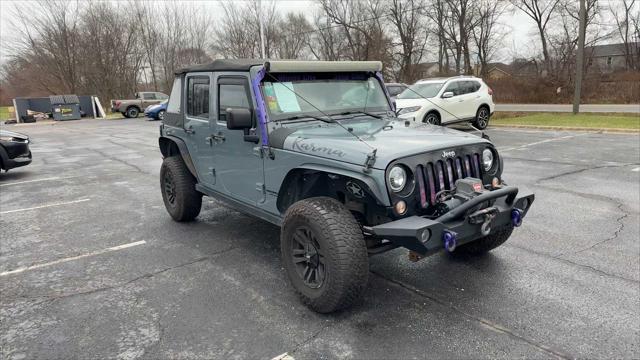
{"x": 448, "y": 154}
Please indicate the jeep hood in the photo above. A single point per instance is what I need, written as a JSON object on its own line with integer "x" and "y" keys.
{"x": 392, "y": 139}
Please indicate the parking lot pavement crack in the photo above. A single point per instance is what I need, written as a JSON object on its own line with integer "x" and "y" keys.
{"x": 573, "y": 263}
{"x": 54, "y": 297}
{"x": 573, "y": 172}
{"x": 615, "y": 235}
{"x": 113, "y": 158}
{"x": 308, "y": 340}
{"x": 494, "y": 326}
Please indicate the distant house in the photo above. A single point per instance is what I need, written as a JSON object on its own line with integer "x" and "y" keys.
{"x": 494, "y": 71}
{"x": 610, "y": 57}
{"x": 426, "y": 69}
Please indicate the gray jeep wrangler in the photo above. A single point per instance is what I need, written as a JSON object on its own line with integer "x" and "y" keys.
{"x": 315, "y": 148}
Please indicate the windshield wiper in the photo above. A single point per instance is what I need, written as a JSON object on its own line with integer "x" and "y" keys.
{"x": 358, "y": 112}
{"x": 306, "y": 116}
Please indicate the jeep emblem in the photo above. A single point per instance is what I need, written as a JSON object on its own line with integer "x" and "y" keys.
{"x": 447, "y": 154}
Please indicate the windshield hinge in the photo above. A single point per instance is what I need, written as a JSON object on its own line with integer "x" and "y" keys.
{"x": 371, "y": 159}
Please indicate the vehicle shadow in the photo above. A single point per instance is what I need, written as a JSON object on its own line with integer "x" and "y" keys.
{"x": 13, "y": 175}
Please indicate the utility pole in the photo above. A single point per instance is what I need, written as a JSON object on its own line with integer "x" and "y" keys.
{"x": 261, "y": 29}
{"x": 580, "y": 58}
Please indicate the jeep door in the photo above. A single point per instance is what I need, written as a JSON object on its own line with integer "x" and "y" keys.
{"x": 199, "y": 124}
{"x": 239, "y": 164}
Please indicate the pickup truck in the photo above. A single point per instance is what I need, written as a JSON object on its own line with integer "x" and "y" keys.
{"x": 132, "y": 108}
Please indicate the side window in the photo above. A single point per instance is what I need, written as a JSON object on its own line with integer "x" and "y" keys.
{"x": 469, "y": 86}
{"x": 149, "y": 96}
{"x": 454, "y": 87}
{"x": 198, "y": 97}
{"x": 161, "y": 96}
{"x": 231, "y": 96}
{"x": 174, "y": 100}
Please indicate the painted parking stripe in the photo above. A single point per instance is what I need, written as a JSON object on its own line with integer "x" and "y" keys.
{"x": 284, "y": 356}
{"x": 37, "y": 180}
{"x": 636, "y": 169}
{"x": 44, "y": 206}
{"x": 60, "y": 261}
{"x": 541, "y": 142}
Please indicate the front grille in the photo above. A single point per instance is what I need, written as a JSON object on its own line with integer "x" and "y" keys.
{"x": 440, "y": 175}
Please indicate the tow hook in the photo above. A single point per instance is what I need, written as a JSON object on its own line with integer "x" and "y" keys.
{"x": 450, "y": 240}
{"x": 484, "y": 216}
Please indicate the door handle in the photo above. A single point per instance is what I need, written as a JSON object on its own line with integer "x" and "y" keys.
{"x": 189, "y": 130}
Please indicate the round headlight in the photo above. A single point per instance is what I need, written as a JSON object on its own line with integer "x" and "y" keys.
{"x": 397, "y": 178}
{"x": 487, "y": 159}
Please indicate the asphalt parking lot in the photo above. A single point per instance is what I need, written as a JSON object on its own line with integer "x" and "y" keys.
{"x": 92, "y": 266}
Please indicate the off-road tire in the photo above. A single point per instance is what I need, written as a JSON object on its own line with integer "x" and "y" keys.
{"x": 186, "y": 201}
{"x": 432, "y": 118}
{"x": 482, "y": 118}
{"x": 343, "y": 249}
{"x": 486, "y": 243}
{"x": 132, "y": 112}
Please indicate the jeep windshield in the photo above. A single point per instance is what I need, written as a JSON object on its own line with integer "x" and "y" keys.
{"x": 421, "y": 90}
{"x": 314, "y": 97}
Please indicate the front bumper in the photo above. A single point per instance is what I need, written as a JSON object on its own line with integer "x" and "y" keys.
{"x": 470, "y": 221}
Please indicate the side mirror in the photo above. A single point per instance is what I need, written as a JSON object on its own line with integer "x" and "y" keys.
{"x": 447, "y": 95}
{"x": 239, "y": 119}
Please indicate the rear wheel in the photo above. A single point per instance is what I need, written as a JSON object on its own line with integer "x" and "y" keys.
{"x": 485, "y": 244}
{"x": 132, "y": 112}
{"x": 182, "y": 200}
{"x": 324, "y": 253}
{"x": 161, "y": 115}
{"x": 431, "y": 118}
{"x": 482, "y": 118}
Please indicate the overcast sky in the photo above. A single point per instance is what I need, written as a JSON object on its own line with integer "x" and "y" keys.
{"x": 520, "y": 40}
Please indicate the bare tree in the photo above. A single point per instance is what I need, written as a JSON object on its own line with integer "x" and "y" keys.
{"x": 293, "y": 36}
{"x": 625, "y": 17}
{"x": 541, "y": 11}
{"x": 406, "y": 17}
{"x": 486, "y": 32}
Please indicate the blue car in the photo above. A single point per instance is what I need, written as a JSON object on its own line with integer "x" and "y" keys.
{"x": 156, "y": 112}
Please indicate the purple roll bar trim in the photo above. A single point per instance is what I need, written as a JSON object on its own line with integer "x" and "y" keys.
{"x": 260, "y": 109}
{"x": 379, "y": 76}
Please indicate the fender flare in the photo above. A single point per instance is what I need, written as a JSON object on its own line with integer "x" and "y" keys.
{"x": 182, "y": 149}
{"x": 380, "y": 196}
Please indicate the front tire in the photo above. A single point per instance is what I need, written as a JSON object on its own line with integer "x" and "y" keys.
{"x": 482, "y": 118}
{"x": 181, "y": 199}
{"x": 432, "y": 118}
{"x": 324, "y": 254}
{"x": 485, "y": 244}
{"x": 160, "y": 115}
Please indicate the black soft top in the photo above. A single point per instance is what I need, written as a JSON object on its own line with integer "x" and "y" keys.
{"x": 223, "y": 65}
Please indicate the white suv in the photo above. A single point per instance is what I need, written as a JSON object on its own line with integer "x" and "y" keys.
{"x": 447, "y": 100}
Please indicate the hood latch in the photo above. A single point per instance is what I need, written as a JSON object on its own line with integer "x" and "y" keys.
{"x": 371, "y": 159}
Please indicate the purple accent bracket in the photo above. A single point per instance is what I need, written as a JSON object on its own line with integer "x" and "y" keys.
{"x": 261, "y": 109}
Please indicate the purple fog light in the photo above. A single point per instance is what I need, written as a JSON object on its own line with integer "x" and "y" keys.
{"x": 516, "y": 217}
{"x": 449, "y": 239}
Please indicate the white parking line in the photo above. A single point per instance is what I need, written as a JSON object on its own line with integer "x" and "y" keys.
{"x": 37, "y": 180}
{"x": 636, "y": 169}
{"x": 540, "y": 142}
{"x": 44, "y": 206}
{"x": 60, "y": 261}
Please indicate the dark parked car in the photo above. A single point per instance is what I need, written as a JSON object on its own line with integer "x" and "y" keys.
{"x": 14, "y": 150}
{"x": 394, "y": 89}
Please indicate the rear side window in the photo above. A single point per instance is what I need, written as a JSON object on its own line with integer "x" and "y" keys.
{"x": 454, "y": 87}
{"x": 469, "y": 86}
{"x": 198, "y": 97}
{"x": 149, "y": 96}
{"x": 174, "y": 100}
{"x": 231, "y": 96}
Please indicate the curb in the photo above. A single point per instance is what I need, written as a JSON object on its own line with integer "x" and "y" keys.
{"x": 590, "y": 129}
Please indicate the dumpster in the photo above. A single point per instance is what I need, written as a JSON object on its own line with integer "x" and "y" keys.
{"x": 65, "y": 107}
